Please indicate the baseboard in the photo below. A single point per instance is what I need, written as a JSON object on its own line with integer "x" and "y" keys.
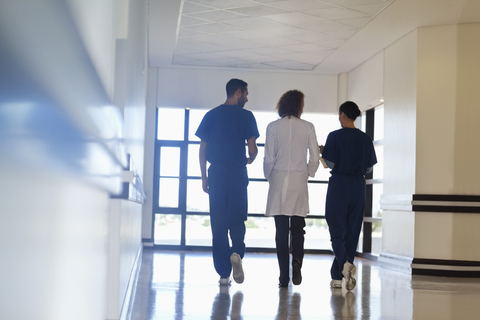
{"x": 396, "y": 262}
{"x": 446, "y": 268}
{"x": 126, "y": 312}
{"x": 431, "y": 267}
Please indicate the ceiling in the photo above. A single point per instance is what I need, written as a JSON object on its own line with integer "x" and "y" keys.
{"x": 317, "y": 36}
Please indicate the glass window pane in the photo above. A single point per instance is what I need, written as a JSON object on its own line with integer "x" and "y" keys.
{"x": 171, "y": 124}
{"x": 193, "y": 165}
{"x": 263, "y": 119}
{"x": 198, "y": 231}
{"x": 378, "y": 124}
{"x": 196, "y": 116}
{"x": 255, "y": 170}
{"x": 260, "y": 232}
{"x": 361, "y": 122}
{"x": 170, "y": 161}
{"x": 322, "y": 174}
{"x": 197, "y": 200}
{"x": 317, "y": 193}
{"x": 324, "y": 124}
{"x": 317, "y": 236}
{"x": 168, "y": 192}
{"x": 378, "y": 167}
{"x": 377, "y": 191}
{"x": 167, "y": 229}
{"x": 377, "y": 238}
{"x": 257, "y": 196}
{"x": 360, "y": 240}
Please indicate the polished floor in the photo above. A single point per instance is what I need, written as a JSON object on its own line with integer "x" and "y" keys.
{"x": 183, "y": 286}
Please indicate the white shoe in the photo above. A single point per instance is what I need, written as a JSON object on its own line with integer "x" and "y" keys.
{"x": 238, "y": 274}
{"x": 336, "y": 284}
{"x": 348, "y": 272}
{"x": 224, "y": 281}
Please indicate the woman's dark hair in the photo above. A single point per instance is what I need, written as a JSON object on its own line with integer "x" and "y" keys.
{"x": 350, "y": 109}
{"x": 233, "y": 85}
{"x": 291, "y": 104}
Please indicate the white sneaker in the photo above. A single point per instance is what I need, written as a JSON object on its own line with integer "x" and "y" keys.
{"x": 238, "y": 274}
{"x": 348, "y": 272}
{"x": 224, "y": 281}
{"x": 336, "y": 284}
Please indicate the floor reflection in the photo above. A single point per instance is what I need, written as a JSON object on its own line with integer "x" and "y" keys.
{"x": 221, "y": 305}
{"x": 342, "y": 304}
{"x": 288, "y": 305}
{"x": 183, "y": 286}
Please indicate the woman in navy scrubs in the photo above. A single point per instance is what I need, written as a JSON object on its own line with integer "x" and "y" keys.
{"x": 350, "y": 154}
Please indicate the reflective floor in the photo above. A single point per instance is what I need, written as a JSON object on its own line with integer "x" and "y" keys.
{"x": 183, "y": 285}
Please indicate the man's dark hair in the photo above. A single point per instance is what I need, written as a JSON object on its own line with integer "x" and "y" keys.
{"x": 291, "y": 104}
{"x": 350, "y": 109}
{"x": 233, "y": 85}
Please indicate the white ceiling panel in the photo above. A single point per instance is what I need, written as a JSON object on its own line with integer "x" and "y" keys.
{"x": 216, "y": 15}
{"x": 224, "y": 4}
{"x": 336, "y": 14}
{"x": 322, "y": 36}
{"x": 301, "y": 6}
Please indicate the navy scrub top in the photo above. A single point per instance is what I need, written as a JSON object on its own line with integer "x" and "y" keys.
{"x": 225, "y": 129}
{"x": 351, "y": 150}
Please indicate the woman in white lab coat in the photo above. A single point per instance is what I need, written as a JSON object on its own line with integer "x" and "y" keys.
{"x": 291, "y": 156}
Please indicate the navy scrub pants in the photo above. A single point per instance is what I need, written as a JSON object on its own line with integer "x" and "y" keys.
{"x": 228, "y": 213}
{"x": 344, "y": 209}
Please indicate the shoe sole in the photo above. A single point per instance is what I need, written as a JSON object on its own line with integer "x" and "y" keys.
{"x": 238, "y": 274}
{"x": 350, "y": 281}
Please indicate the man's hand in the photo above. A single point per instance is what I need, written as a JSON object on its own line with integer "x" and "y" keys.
{"x": 205, "y": 184}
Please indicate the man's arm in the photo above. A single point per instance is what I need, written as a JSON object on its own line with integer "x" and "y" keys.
{"x": 252, "y": 149}
{"x": 203, "y": 165}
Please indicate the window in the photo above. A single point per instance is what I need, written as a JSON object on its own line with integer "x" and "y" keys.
{"x": 181, "y": 208}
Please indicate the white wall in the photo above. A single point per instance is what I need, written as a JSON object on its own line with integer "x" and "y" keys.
{"x": 125, "y": 216}
{"x": 400, "y": 115}
{"x": 66, "y": 247}
{"x": 447, "y": 106}
{"x": 391, "y": 74}
{"x": 430, "y": 86}
{"x": 53, "y": 239}
{"x": 436, "y": 108}
{"x": 449, "y": 97}
{"x": 400, "y": 90}
{"x": 90, "y": 17}
{"x": 198, "y": 88}
{"x": 365, "y": 82}
{"x": 467, "y": 181}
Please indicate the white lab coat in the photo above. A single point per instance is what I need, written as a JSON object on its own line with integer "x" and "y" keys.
{"x": 285, "y": 165}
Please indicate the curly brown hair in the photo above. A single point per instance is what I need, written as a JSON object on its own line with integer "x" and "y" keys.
{"x": 291, "y": 104}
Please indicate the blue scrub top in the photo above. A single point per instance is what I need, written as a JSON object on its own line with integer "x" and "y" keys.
{"x": 226, "y": 129}
{"x": 351, "y": 150}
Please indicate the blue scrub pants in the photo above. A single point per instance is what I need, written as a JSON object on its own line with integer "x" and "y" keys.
{"x": 345, "y": 206}
{"x": 228, "y": 213}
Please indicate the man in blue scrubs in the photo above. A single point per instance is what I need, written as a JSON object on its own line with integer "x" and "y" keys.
{"x": 350, "y": 154}
{"x": 224, "y": 131}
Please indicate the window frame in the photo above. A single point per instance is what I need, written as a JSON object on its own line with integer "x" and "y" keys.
{"x": 183, "y": 181}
